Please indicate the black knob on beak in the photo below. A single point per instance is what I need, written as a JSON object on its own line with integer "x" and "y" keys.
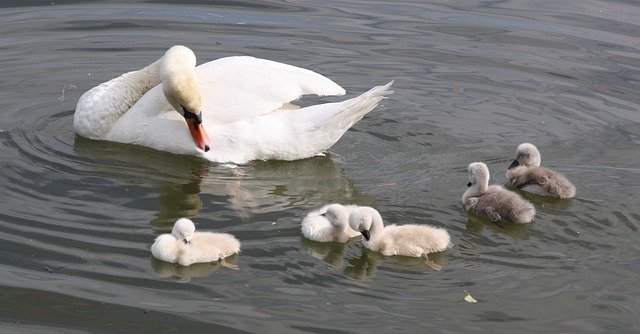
{"x": 197, "y": 118}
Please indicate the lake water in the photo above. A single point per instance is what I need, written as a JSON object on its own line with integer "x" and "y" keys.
{"x": 472, "y": 81}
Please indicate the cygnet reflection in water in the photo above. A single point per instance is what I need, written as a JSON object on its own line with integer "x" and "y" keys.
{"x": 479, "y": 225}
{"x": 366, "y": 265}
{"x": 197, "y": 270}
{"x": 332, "y": 253}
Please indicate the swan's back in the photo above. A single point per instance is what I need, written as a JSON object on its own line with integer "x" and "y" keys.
{"x": 540, "y": 181}
{"x": 416, "y": 240}
{"x": 251, "y": 87}
{"x": 507, "y": 204}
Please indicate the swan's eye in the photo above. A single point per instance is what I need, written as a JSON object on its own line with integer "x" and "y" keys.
{"x": 469, "y": 184}
{"x": 197, "y": 118}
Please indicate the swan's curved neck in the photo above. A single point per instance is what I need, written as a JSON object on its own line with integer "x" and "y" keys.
{"x": 99, "y": 108}
{"x": 141, "y": 81}
{"x": 128, "y": 88}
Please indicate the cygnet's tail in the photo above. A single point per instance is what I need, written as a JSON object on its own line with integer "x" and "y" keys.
{"x": 562, "y": 187}
{"x": 525, "y": 213}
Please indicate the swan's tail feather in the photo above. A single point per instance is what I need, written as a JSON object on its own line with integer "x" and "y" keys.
{"x": 316, "y": 128}
{"x": 367, "y": 101}
{"x": 363, "y": 104}
{"x": 99, "y": 108}
{"x": 338, "y": 117}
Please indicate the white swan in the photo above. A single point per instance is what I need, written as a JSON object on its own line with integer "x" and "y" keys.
{"x": 526, "y": 174}
{"x": 494, "y": 202}
{"x": 329, "y": 224}
{"x": 185, "y": 246}
{"x": 406, "y": 240}
{"x": 236, "y": 109}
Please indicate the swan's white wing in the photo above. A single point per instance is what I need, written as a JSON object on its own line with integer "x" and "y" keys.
{"x": 236, "y": 88}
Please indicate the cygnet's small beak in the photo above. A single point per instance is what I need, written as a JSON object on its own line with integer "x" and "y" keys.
{"x": 199, "y": 134}
{"x": 366, "y": 234}
{"x": 186, "y": 241}
{"x": 514, "y": 164}
{"x": 469, "y": 184}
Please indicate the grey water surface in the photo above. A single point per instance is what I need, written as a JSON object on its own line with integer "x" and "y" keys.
{"x": 473, "y": 79}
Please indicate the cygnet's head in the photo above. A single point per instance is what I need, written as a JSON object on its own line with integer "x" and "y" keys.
{"x": 337, "y": 215}
{"x": 183, "y": 230}
{"x": 478, "y": 174}
{"x": 526, "y": 155}
{"x": 361, "y": 220}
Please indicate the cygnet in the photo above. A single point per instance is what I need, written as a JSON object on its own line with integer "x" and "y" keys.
{"x": 329, "y": 224}
{"x": 526, "y": 174}
{"x": 185, "y": 246}
{"x": 406, "y": 240}
{"x": 494, "y": 202}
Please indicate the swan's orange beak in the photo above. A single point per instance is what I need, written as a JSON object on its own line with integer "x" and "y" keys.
{"x": 199, "y": 134}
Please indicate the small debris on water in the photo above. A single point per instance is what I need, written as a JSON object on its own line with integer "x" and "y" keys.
{"x": 469, "y": 298}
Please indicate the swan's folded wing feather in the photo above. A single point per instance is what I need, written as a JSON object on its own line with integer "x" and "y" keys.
{"x": 236, "y": 88}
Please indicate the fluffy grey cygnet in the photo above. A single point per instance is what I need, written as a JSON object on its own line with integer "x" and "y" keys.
{"x": 185, "y": 246}
{"x": 526, "y": 174}
{"x": 494, "y": 202}
{"x": 407, "y": 240}
{"x": 329, "y": 224}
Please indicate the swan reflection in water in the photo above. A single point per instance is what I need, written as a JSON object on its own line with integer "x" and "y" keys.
{"x": 259, "y": 187}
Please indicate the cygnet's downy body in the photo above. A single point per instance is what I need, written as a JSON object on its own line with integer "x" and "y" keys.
{"x": 329, "y": 224}
{"x": 185, "y": 246}
{"x": 494, "y": 202}
{"x": 526, "y": 174}
{"x": 406, "y": 240}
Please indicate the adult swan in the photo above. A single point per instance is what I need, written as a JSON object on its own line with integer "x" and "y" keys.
{"x": 236, "y": 109}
